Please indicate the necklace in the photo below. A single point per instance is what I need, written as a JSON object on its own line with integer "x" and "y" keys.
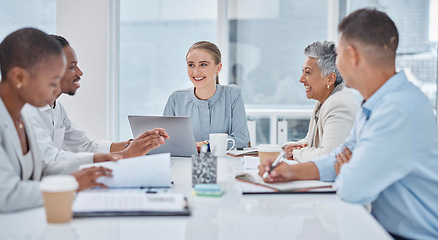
{"x": 19, "y": 123}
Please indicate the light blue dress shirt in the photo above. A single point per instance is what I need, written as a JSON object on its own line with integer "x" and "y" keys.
{"x": 224, "y": 112}
{"x": 394, "y": 164}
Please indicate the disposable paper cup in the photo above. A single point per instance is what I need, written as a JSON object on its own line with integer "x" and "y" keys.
{"x": 267, "y": 151}
{"x": 58, "y": 194}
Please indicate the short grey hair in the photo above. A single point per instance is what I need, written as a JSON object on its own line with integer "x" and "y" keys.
{"x": 325, "y": 52}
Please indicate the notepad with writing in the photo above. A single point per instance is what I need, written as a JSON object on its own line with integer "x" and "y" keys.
{"x": 136, "y": 203}
{"x": 251, "y": 183}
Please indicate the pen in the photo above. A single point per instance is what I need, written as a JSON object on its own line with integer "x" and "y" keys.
{"x": 275, "y": 163}
{"x": 204, "y": 149}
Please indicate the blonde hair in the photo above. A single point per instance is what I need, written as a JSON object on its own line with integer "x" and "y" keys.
{"x": 210, "y": 48}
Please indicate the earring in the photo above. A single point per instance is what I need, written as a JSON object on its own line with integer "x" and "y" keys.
{"x": 328, "y": 86}
{"x": 19, "y": 85}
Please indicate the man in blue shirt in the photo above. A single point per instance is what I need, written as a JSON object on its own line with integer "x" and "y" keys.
{"x": 390, "y": 158}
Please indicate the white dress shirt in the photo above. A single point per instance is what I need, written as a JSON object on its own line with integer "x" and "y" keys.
{"x": 58, "y": 138}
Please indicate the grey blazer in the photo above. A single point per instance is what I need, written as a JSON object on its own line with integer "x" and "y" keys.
{"x": 17, "y": 193}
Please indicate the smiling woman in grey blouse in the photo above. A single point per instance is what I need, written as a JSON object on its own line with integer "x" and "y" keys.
{"x": 212, "y": 108}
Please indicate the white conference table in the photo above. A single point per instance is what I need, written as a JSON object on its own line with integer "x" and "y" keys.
{"x": 232, "y": 216}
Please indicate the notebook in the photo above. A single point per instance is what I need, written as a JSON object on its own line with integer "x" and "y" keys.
{"x": 181, "y": 142}
{"x": 251, "y": 183}
{"x": 135, "y": 203}
{"x": 244, "y": 152}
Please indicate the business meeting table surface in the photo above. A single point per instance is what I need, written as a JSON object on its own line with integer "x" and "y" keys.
{"x": 232, "y": 216}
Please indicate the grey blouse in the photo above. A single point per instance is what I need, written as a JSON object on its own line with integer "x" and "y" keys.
{"x": 224, "y": 112}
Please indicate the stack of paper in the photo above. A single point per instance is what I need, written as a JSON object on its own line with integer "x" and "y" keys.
{"x": 143, "y": 171}
{"x": 138, "y": 187}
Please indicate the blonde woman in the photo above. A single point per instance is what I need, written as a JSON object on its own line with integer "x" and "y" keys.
{"x": 212, "y": 108}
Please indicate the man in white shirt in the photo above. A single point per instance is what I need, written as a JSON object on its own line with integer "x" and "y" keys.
{"x": 60, "y": 140}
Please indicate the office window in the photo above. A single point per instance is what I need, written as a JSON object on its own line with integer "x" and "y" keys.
{"x": 267, "y": 41}
{"x": 154, "y": 38}
{"x": 417, "y": 25}
{"x": 17, "y": 14}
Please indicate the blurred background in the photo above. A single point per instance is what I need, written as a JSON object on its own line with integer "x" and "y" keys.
{"x": 133, "y": 53}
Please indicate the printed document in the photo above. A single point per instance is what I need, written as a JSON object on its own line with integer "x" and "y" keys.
{"x": 143, "y": 171}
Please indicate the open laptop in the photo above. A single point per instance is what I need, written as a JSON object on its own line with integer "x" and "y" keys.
{"x": 181, "y": 142}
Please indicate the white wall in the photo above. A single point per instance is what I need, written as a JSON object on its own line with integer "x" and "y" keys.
{"x": 86, "y": 25}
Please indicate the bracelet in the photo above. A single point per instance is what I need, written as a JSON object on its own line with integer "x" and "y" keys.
{"x": 129, "y": 142}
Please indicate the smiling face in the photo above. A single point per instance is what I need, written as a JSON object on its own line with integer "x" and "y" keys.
{"x": 202, "y": 69}
{"x": 315, "y": 84}
{"x": 70, "y": 81}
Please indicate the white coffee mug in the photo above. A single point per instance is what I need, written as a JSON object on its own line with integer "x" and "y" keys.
{"x": 219, "y": 143}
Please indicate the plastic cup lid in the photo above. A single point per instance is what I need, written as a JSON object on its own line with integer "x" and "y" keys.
{"x": 59, "y": 183}
{"x": 269, "y": 148}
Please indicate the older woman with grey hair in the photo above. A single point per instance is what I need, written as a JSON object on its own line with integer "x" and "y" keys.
{"x": 335, "y": 110}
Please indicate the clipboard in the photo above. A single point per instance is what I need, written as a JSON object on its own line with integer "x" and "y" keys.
{"x": 110, "y": 204}
{"x": 251, "y": 183}
{"x": 186, "y": 212}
